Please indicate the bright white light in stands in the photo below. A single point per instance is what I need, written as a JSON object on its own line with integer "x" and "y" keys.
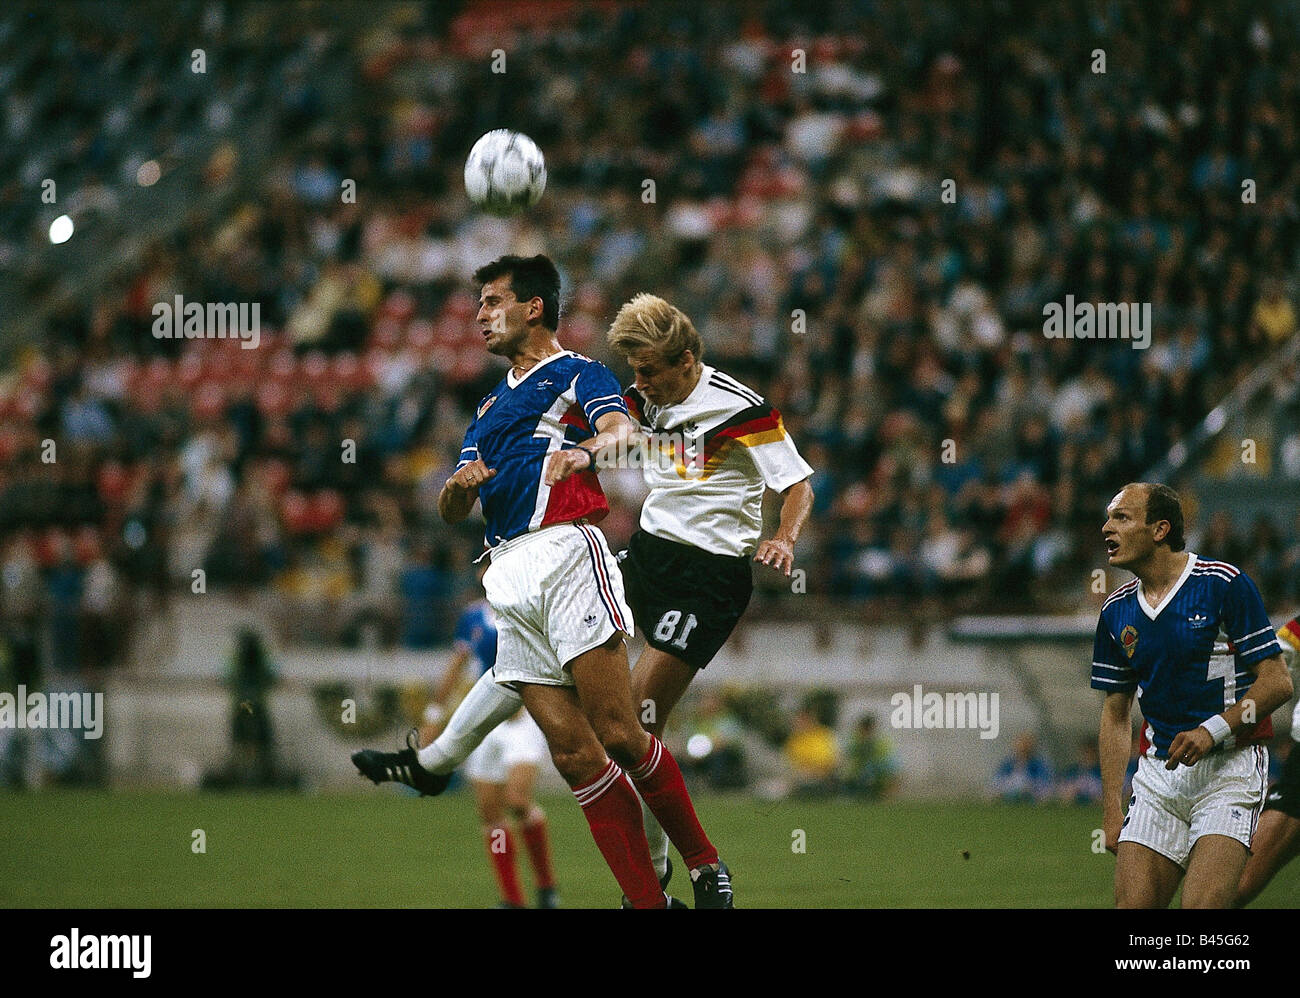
{"x": 1215, "y": 420}
{"x": 148, "y": 173}
{"x": 699, "y": 746}
{"x": 61, "y": 230}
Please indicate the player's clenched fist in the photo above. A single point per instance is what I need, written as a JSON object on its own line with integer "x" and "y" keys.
{"x": 471, "y": 476}
{"x": 564, "y": 463}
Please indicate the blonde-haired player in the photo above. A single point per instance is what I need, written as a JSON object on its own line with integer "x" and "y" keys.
{"x": 714, "y": 447}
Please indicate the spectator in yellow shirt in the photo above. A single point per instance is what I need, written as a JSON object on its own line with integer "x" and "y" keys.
{"x": 1274, "y": 318}
{"x": 813, "y": 755}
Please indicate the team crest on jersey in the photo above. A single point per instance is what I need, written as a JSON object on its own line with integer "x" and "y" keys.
{"x": 1128, "y": 638}
{"x": 486, "y": 406}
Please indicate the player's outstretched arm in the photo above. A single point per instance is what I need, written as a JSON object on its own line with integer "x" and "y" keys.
{"x": 1113, "y": 741}
{"x": 613, "y": 430}
{"x": 778, "y": 550}
{"x": 461, "y": 491}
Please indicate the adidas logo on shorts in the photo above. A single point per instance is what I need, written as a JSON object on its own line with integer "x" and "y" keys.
{"x": 590, "y": 620}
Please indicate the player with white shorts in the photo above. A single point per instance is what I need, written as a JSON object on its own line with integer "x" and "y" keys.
{"x": 529, "y": 459}
{"x": 1171, "y": 809}
{"x": 504, "y": 769}
{"x": 517, "y": 742}
{"x": 543, "y": 620}
{"x": 1190, "y": 639}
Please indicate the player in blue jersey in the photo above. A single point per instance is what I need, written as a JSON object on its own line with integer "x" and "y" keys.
{"x": 503, "y": 769}
{"x": 1190, "y": 638}
{"x": 529, "y": 458}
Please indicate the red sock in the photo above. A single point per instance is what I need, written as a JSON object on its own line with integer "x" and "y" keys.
{"x": 539, "y": 849}
{"x": 611, "y": 808}
{"x": 659, "y": 782}
{"x": 501, "y": 850}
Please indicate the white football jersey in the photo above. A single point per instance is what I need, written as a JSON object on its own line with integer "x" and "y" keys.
{"x": 709, "y": 458}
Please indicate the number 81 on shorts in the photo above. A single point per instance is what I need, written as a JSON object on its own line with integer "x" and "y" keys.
{"x": 667, "y": 628}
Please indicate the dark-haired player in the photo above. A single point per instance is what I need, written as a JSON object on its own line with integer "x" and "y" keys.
{"x": 529, "y": 457}
{"x": 1190, "y": 638}
{"x": 1277, "y": 840}
{"x": 714, "y": 447}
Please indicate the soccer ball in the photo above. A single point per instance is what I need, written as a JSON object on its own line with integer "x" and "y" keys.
{"x": 505, "y": 172}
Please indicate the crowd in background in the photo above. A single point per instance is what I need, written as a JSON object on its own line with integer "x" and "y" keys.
{"x": 751, "y": 739}
{"x": 797, "y": 213}
{"x": 1027, "y": 776}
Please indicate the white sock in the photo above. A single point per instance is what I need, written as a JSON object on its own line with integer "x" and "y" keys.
{"x": 485, "y": 706}
{"x": 657, "y": 839}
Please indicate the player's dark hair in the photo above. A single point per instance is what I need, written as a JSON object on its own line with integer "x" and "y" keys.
{"x": 530, "y": 277}
{"x": 1163, "y": 504}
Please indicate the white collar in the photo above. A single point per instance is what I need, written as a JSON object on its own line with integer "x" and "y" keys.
{"x": 1142, "y": 600}
{"x": 514, "y": 382}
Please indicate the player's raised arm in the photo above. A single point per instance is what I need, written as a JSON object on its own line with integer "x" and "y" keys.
{"x": 613, "y": 430}
{"x": 1113, "y": 741}
{"x": 778, "y": 550}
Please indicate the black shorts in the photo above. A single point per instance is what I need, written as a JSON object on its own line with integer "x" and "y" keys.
{"x": 686, "y": 601}
{"x": 1284, "y": 795}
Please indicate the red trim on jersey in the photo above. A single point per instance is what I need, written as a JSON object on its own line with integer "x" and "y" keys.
{"x": 770, "y": 421}
{"x": 573, "y": 416}
{"x": 1261, "y": 731}
{"x": 728, "y": 437}
{"x": 578, "y": 497}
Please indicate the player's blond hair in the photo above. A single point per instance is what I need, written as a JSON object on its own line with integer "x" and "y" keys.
{"x": 648, "y": 322}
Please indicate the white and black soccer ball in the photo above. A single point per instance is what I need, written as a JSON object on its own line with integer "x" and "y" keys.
{"x": 505, "y": 172}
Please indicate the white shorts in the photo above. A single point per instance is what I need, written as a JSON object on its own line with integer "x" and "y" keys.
{"x": 557, "y": 593}
{"x": 518, "y": 741}
{"x": 1221, "y": 795}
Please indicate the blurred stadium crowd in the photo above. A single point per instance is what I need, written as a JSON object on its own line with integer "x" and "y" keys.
{"x": 796, "y": 217}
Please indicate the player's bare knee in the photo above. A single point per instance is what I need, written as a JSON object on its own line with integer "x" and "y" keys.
{"x": 578, "y": 764}
{"x": 518, "y": 805}
{"x": 626, "y": 744}
{"x": 519, "y": 812}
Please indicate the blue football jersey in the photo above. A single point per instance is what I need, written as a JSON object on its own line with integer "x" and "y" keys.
{"x": 519, "y": 423}
{"x": 1187, "y": 658}
{"x": 477, "y": 627}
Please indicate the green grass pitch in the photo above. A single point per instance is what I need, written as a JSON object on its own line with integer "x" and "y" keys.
{"x": 383, "y": 849}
